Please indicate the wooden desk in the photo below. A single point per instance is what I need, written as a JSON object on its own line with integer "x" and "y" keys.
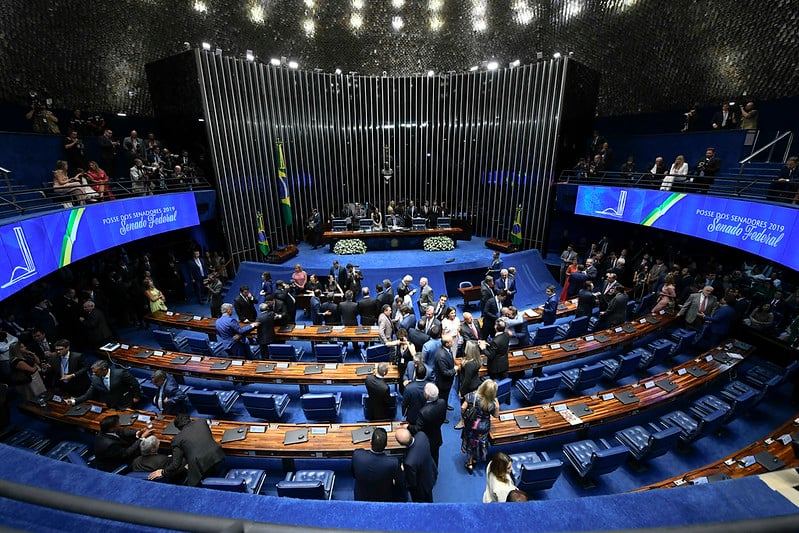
{"x": 301, "y": 332}
{"x": 242, "y": 371}
{"x": 518, "y": 362}
{"x": 729, "y": 465}
{"x": 470, "y": 294}
{"x": 336, "y": 442}
{"x": 604, "y": 411}
{"x": 402, "y": 234}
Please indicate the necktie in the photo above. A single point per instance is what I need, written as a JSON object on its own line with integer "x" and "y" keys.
{"x": 702, "y": 302}
{"x": 64, "y": 366}
{"x": 474, "y": 330}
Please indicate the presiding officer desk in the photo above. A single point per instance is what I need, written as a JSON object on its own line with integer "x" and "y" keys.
{"x": 536, "y": 357}
{"x": 245, "y": 371}
{"x": 555, "y": 418}
{"x": 740, "y": 464}
{"x": 262, "y": 439}
{"x": 300, "y": 332}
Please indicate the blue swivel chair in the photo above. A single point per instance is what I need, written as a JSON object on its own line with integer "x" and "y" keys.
{"x": 330, "y": 353}
{"x": 308, "y": 484}
{"x": 591, "y": 459}
{"x": 543, "y": 335}
{"x": 170, "y": 342}
{"x": 325, "y": 406}
{"x": 621, "y": 366}
{"x": 265, "y": 406}
{"x": 205, "y": 347}
{"x": 645, "y": 444}
{"x": 213, "y": 402}
{"x": 538, "y": 388}
{"x": 285, "y": 352}
{"x": 585, "y": 377}
{"x": 532, "y": 471}
{"x": 378, "y": 353}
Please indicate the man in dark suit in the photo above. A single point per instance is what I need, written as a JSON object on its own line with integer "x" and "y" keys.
{"x": 705, "y": 169}
{"x": 408, "y": 320}
{"x": 725, "y": 118}
{"x": 149, "y": 459}
{"x": 446, "y": 369}
{"x": 169, "y": 398}
{"x": 378, "y": 404}
{"x": 339, "y": 273}
{"x": 576, "y": 281}
{"x": 783, "y": 189}
{"x": 349, "y": 310}
{"x": 469, "y": 329}
{"x": 486, "y": 290}
{"x": 231, "y": 335}
{"x": 378, "y": 477}
{"x": 266, "y": 324}
{"x": 413, "y": 398}
{"x": 506, "y": 282}
{"x": 69, "y": 370}
{"x": 114, "y": 446}
{"x": 616, "y": 312}
{"x": 491, "y": 311}
{"x": 244, "y": 304}
{"x": 606, "y": 292}
{"x": 721, "y": 322}
{"x": 428, "y": 321}
{"x": 368, "y": 308}
{"x": 198, "y": 270}
{"x": 440, "y": 308}
{"x": 387, "y": 296}
{"x": 496, "y": 351}
{"x": 98, "y": 332}
{"x": 316, "y": 308}
{"x": 116, "y": 387}
{"x": 550, "y": 311}
{"x": 586, "y": 300}
{"x": 430, "y": 418}
{"x": 194, "y": 447}
{"x": 418, "y": 466}
{"x": 284, "y": 295}
{"x": 330, "y": 310}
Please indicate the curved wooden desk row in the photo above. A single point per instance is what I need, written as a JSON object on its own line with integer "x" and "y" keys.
{"x": 734, "y": 465}
{"x": 551, "y": 354}
{"x": 239, "y": 370}
{"x": 555, "y": 418}
{"x": 262, "y": 439}
{"x": 301, "y": 332}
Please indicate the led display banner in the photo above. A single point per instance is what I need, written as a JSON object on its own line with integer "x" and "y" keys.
{"x": 35, "y": 247}
{"x": 762, "y": 229}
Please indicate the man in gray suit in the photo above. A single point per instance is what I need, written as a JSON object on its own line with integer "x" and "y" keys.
{"x": 425, "y": 295}
{"x": 698, "y": 306}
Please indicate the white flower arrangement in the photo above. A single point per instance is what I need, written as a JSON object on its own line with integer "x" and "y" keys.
{"x": 349, "y": 246}
{"x": 438, "y": 244}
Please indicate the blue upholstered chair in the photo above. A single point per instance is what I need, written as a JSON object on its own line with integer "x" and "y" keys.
{"x": 392, "y": 407}
{"x": 265, "y": 406}
{"x": 308, "y": 484}
{"x": 330, "y": 353}
{"x": 538, "y": 388}
{"x": 655, "y": 352}
{"x": 543, "y": 335}
{"x": 646, "y": 304}
{"x": 585, "y": 377}
{"x": 379, "y": 353}
{"x": 285, "y": 352}
{"x": 504, "y": 387}
{"x": 532, "y": 471}
{"x": 245, "y": 480}
{"x": 77, "y": 459}
{"x": 738, "y": 389}
{"x": 325, "y": 406}
{"x": 618, "y": 367}
{"x": 575, "y": 328}
{"x": 170, "y": 342}
{"x": 205, "y": 346}
{"x": 645, "y": 444}
{"x": 591, "y": 459}
{"x": 60, "y": 451}
{"x": 683, "y": 339}
{"x": 28, "y": 440}
{"x": 213, "y": 402}
{"x": 693, "y": 428}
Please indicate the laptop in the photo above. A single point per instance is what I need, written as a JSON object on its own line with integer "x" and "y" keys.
{"x": 361, "y": 434}
{"x": 323, "y": 329}
{"x": 722, "y": 357}
{"x": 232, "y": 435}
{"x": 313, "y": 369}
{"x": 364, "y": 370}
{"x": 601, "y": 338}
{"x": 264, "y": 368}
{"x": 288, "y": 328}
{"x": 652, "y": 319}
{"x": 181, "y": 360}
{"x": 626, "y": 397}
{"x": 527, "y": 421}
{"x": 170, "y": 429}
{"x": 697, "y": 372}
{"x": 769, "y": 461}
{"x": 569, "y": 346}
{"x": 144, "y": 354}
{"x": 580, "y": 409}
{"x": 628, "y": 329}
{"x": 561, "y": 307}
{"x": 666, "y": 384}
{"x": 295, "y": 436}
{"x": 362, "y": 331}
{"x": 220, "y": 365}
{"x": 184, "y": 319}
{"x": 78, "y": 410}
{"x": 127, "y": 419}
{"x": 532, "y": 354}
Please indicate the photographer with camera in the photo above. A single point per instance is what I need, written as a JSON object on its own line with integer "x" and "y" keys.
{"x": 44, "y": 121}
{"x": 749, "y": 116}
{"x": 354, "y": 278}
{"x": 706, "y": 168}
{"x": 140, "y": 178}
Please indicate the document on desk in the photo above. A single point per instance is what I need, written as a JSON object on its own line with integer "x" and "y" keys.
{"x": 570, "y": 417}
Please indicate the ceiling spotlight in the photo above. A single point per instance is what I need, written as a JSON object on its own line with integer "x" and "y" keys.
{"x": 200, "y": 120}
{"x": 398, "y": 3}
{"x": 206, "y": 46}
{"x": 430, "y": 73}
{"x": 257, "y": 14}
{"x": 275, "y": 62}
{"x": 473, "y": 68}
{"x": 556, "y": 55}
{"x": 571, "y": 54}
{"x": 218, "y": 52}
{"x": 539, "y": 56}
{"x": 249, "y": 55}
{"x": 200, "y": 7}
{"x": 293, "y": 64}
{"x": 356, "y": 20}
{"x": 515, "y": 63}
{"x": 121, "y": 114}
{"x": 492, "y": 65}
{"x": 338, "y": 72}
{"x": 308, "y": 27}
{"x": 186, "y": 45}
{"x": 397, "y": 23}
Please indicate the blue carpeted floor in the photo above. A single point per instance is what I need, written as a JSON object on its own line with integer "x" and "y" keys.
{"x": 455, "y": 485}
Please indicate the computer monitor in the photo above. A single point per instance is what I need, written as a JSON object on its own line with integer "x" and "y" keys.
{"x": 443, "y": 222}
{"x": 418, "y": 223}
{"x": 365, "y": 224}
{"x": 339, "y": 224}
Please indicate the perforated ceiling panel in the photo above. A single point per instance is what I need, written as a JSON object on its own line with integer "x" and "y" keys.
{"x": 652, "y": 54}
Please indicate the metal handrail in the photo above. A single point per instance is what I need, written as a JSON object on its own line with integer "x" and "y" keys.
{"x": 769, "y": 145}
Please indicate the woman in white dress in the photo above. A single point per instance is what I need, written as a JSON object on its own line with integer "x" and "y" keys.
{"x": 498, "y": 479}
{"x": 677, "y": 173}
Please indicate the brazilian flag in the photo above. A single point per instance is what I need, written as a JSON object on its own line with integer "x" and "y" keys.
{"x": 283, "y": 184}
{"x": 263, "y": 242}
{"x": 516, "y": 230}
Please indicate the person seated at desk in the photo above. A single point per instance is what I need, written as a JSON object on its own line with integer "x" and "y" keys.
{"x": 149, "y": 459}
{"x": 169, "y": 398}
{"x": 116, "y": 387}
{"x": 313, "y": 284}
{"x": 377, "y": 219}
{"x": 114, "y": 445}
